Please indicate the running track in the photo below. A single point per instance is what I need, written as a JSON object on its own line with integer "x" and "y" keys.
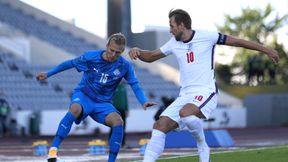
{"x": 75, "y": 149}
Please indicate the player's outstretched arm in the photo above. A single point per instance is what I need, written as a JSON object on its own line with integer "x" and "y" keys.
{"x": 61, "y": 67}
{"x": 148, "y": 104}
{"x": 145, "y": 55}
{"x": 271, "y": 53}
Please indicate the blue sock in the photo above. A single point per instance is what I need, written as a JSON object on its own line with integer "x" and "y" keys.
{"x": 63, "y": 129}
{"x": 115, "y": 142}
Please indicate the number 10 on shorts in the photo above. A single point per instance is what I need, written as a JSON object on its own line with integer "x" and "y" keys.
{"x": 199, "y": 98}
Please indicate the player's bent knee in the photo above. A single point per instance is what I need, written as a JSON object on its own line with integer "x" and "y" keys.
{"x": 188, "y": 110}
{"x": 183, "y": 113}
{"x": 165, "y": 125}
{"x": 158, "y": 126}
{"x": 113, "y": 119}
{"x": 117, "y": 121}
{"x": 75, "y": 109}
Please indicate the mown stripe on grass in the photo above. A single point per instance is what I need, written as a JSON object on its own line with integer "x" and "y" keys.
{"x": 227, "y": 151}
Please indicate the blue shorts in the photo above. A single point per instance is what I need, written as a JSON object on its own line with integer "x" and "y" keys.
{"x": 97, "y": 111}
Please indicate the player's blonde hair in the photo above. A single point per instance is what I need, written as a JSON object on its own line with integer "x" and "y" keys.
{"x": 118, "y": 38}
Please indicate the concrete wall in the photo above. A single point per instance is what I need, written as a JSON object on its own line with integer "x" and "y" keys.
{"x": 151, "y": 40}
{"x": 17, "y": 45}
{"x": 137, "y": 121}
{"x": 267, "y": 110}
{"x": 43, "y": 53}
{"x": 33, "y": 50}
{"x": 53, "y": 21}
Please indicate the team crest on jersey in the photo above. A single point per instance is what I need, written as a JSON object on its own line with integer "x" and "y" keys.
{"x": 116, "y": 72}
{"x": 190, "y": 45}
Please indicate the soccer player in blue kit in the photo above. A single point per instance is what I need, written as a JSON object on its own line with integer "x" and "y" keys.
{"x": 102, "y": 72}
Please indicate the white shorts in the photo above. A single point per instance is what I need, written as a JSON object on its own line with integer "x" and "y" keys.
{"x": 205, "y": 101}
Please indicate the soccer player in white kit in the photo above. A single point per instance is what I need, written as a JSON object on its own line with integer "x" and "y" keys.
{"x": 194, "y": 50}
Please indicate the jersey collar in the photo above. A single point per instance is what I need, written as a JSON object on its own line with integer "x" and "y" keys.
{"x": 192, "y": 35}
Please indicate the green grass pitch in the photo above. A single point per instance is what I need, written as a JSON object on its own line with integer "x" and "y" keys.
{"x": 267, "y": 154}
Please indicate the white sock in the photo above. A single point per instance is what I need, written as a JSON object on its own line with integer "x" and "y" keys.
{"x": 196, "y": 128}
{"x": 155, "y": 146}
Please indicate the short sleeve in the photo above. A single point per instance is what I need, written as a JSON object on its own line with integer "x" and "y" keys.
{"x": 167, "y": 47}
{"x": 80, "y": 63}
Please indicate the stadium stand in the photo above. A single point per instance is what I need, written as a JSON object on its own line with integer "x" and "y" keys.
{"x": 18, "y": 82}
{"x": 22, "y": 91}
{"x": 42, "y": 30}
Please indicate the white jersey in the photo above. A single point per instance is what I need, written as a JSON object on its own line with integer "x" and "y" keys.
{"x": 195, "y": 59}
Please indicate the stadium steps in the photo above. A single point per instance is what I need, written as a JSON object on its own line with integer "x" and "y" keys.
{"x": 154, "y": 86}
{"x": 24, "y": 92}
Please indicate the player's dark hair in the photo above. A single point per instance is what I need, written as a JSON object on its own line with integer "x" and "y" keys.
{"x": 118, "y": 38}
{"x": 181, "y": 16}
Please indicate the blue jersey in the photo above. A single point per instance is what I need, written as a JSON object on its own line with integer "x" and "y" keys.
{"x": 100, "y": 78}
